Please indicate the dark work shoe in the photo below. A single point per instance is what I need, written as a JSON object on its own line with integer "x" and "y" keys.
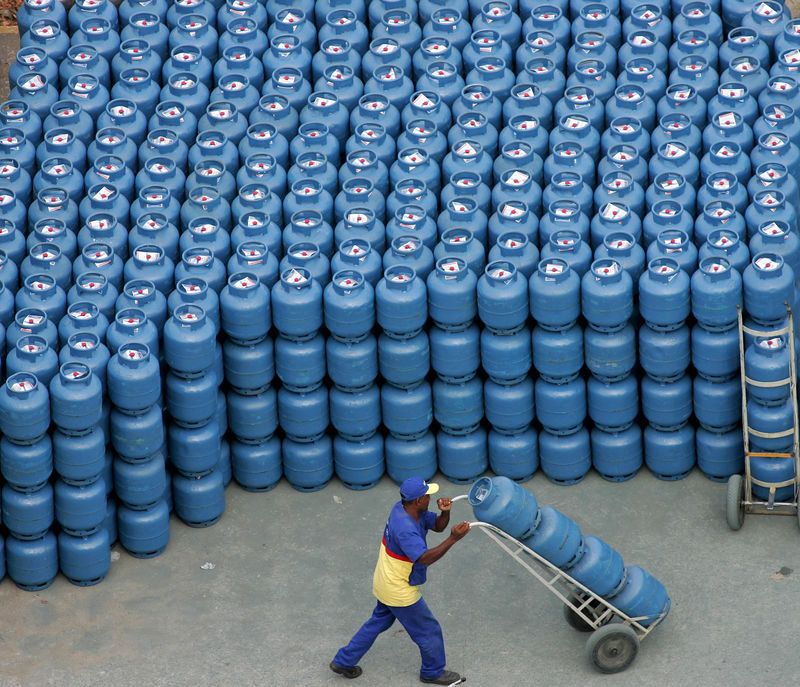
{"x": 349, "y": 673}
{"x": 448, "y": 677}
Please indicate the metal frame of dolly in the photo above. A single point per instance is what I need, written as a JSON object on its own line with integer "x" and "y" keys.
{"x": 612, "y": 646}
{"x": 739, "y": 498}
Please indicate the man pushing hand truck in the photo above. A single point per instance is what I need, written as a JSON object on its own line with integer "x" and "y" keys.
{"x": 403, "y": 560}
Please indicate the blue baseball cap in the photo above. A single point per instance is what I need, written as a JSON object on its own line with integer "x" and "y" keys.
{"x": 414, "y": 487}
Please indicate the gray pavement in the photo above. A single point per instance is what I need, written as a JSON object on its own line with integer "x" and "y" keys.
{"x": 290, "y": 575}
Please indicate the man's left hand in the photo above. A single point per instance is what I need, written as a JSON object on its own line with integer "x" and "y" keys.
{"x": 444, "y": 504}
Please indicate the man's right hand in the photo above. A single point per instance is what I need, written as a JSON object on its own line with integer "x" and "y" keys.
{"x": 459, "y": 531}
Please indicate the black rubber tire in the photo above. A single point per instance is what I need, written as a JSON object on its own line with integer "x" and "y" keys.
{"x": 612, "y": 648}
{"x": 734, "y": 504}
{"x": 575, "y": 620}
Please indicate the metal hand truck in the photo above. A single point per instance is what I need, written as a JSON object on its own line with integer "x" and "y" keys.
{"x": 614, "y": 642}
{"x": 740, "y": 499}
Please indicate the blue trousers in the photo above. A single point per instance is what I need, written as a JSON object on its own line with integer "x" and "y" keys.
{"x": 421, "y": 626}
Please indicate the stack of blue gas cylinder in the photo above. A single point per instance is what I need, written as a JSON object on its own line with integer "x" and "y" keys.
{"x": 558, "y": 539}
{"x": 301, "y": 238}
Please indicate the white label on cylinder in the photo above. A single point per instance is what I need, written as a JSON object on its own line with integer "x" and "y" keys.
{"x": 399, "y": 277}
{"x": 673, "y": 151}
{"x": 567, "y": 243}
{"x": 466, "y": 182}
{"x": 422, "y": 100}
{"x": 357, "y": 218}
{"x": 767, "y": 199}
{"x": 133, "y": 354}
{"x": 517, "y": 177}
{"x": 188, "y": 288}
{"x": 465, "y": 149}
{"x": 41, "y": 285}
{"x": 725, "y": 151}
{"x": 347, "y": 283}
{"x": 104, "y": 193}
{"x": 665, "y": 269}
{"x": 576, "y": 123}
{"x": 717, "y": 267}
{"x": 499, "y": 273}
{"x": 673, "y": 243}
{"x": 767, "y": 264}
{"x": 621, "y": 156}
{"x": 408, "y": 247}
{"x": 606, "y": 270}
{"x": 147, "y": 256}
{"x": 564, "y": 212}
{"x": 770, "y": 344}
{"x": 613, "y": 212}
{"x": 621, "y": 243}
{"x": 201, "y": 259}
{"x": 139, "y": 291}
{"x": 508, "y": 210}
{"x": 295, "y": 277}
{"x": 320, "y": 101}
{"x": 187, "y": 317}
{"x": 722, "y": 184}
{"x": 726, "y": 120}
{"x": 288, "y": 79}
{"x": 24, "y": 385}
{"x": 732, "y": 92}
{"x": 527, "y": 93}
{"x": 131, "y": 320}
{"x": 642, "y": 41}
{"x": 452, "y": 266}
{"x": 414, "y": 157}
{"x": 97, "y": 223}
{"x": 553, "y": 268}
{"x": 773, "y": 229}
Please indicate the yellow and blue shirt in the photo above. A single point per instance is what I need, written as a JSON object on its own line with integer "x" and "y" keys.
{"x": 397, "y": 574}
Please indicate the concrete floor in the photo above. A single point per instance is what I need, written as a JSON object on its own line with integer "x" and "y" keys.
{"x": 266, "y": 597}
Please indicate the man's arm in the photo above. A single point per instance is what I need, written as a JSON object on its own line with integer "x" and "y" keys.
{"x": 434, "y": 554}
{"x": 443, "y": 519}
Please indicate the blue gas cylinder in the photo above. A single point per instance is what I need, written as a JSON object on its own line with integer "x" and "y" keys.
{"x": 667, "y": 405}
{"x": 257, "y": 467}
{"x": 300, "y": 363}
{"x": 716, "y": 293}
{"x": 462, "y": 458}
{"x": 34, "y": 355}
{"x": 509, "y": 407}
{"x": 600, "y": 568}
{"x": 195, "y": 451}
{"x": 32, "y": 565}
{"x": 26, "y": 408}
{"x": 715, "y": 354}
{"x": 308, "y": 466}
{"x": 349, "y": 305}
{"x": 767, "y": 285}
{"x": 643, "y": 596}
{"x": 410, "y": 252}
{"x": 554, "y": 294}
{"x": 564, "y": 214}
{"x": 719, "y": 454}
{"x": 626, "y": 130}
{"x": 28, "y": 515}
{"x": 252, "y": 417}
{"x": 137, "y": 436}
{"x": 297, "y": 304}
{"x": 514, "y": 455}
{"x": 307, "y": 255}
{"x": 561, "y": 406}
{"x": 139, "y": 485}
{"x": 27, "y": 467}
{"x": 458, "y": 406}
{"x": 191, "y": 402}
{"x": 248, "y": 367}
{"x": 565, "y": 459}
{"x": 189, "y": 340}
{"x": 144, "y": 533}
{"x": 80, "y": 510}
{"x": 768, "y": 207}
{"x": 717, "y": 405}
{"x": 674, "y": 244}
{"x": 85, "y": 561}
{"x": 244, "y": 305}
{"x": 610, "y": 356}
{"x": 719, "y": 215}
{"x": 75, "y": 399}
{"x": 506, "y": 355}
{"x": 669, "y": 455}
{"x": 591, "y": 45}
{"x": 355, "y": 414}
{"x": 455, "y": 355}
{"x": 452, "y": 300}
{"x": 352, "y": 365}
{"x": 199, "y": 501}
{"x": 557, "y": 538}
{"x": 407, "y": 412}
{"x": 618, "y": 186}
{"x": 304, "y": 414}
{"x": 612, "y": 406}
{"x": 664, "y": 354}
{"x": 767, "y": 360}
{"x": 404, "y": 362}
{"x": 504, "y": 504}
{"x": 134, "y": 382}
{"x": 664, "y": 301}
{"x": 375, "y": 108}
{"x": 606, "y": 295}
{"x": 410, "y": 458}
